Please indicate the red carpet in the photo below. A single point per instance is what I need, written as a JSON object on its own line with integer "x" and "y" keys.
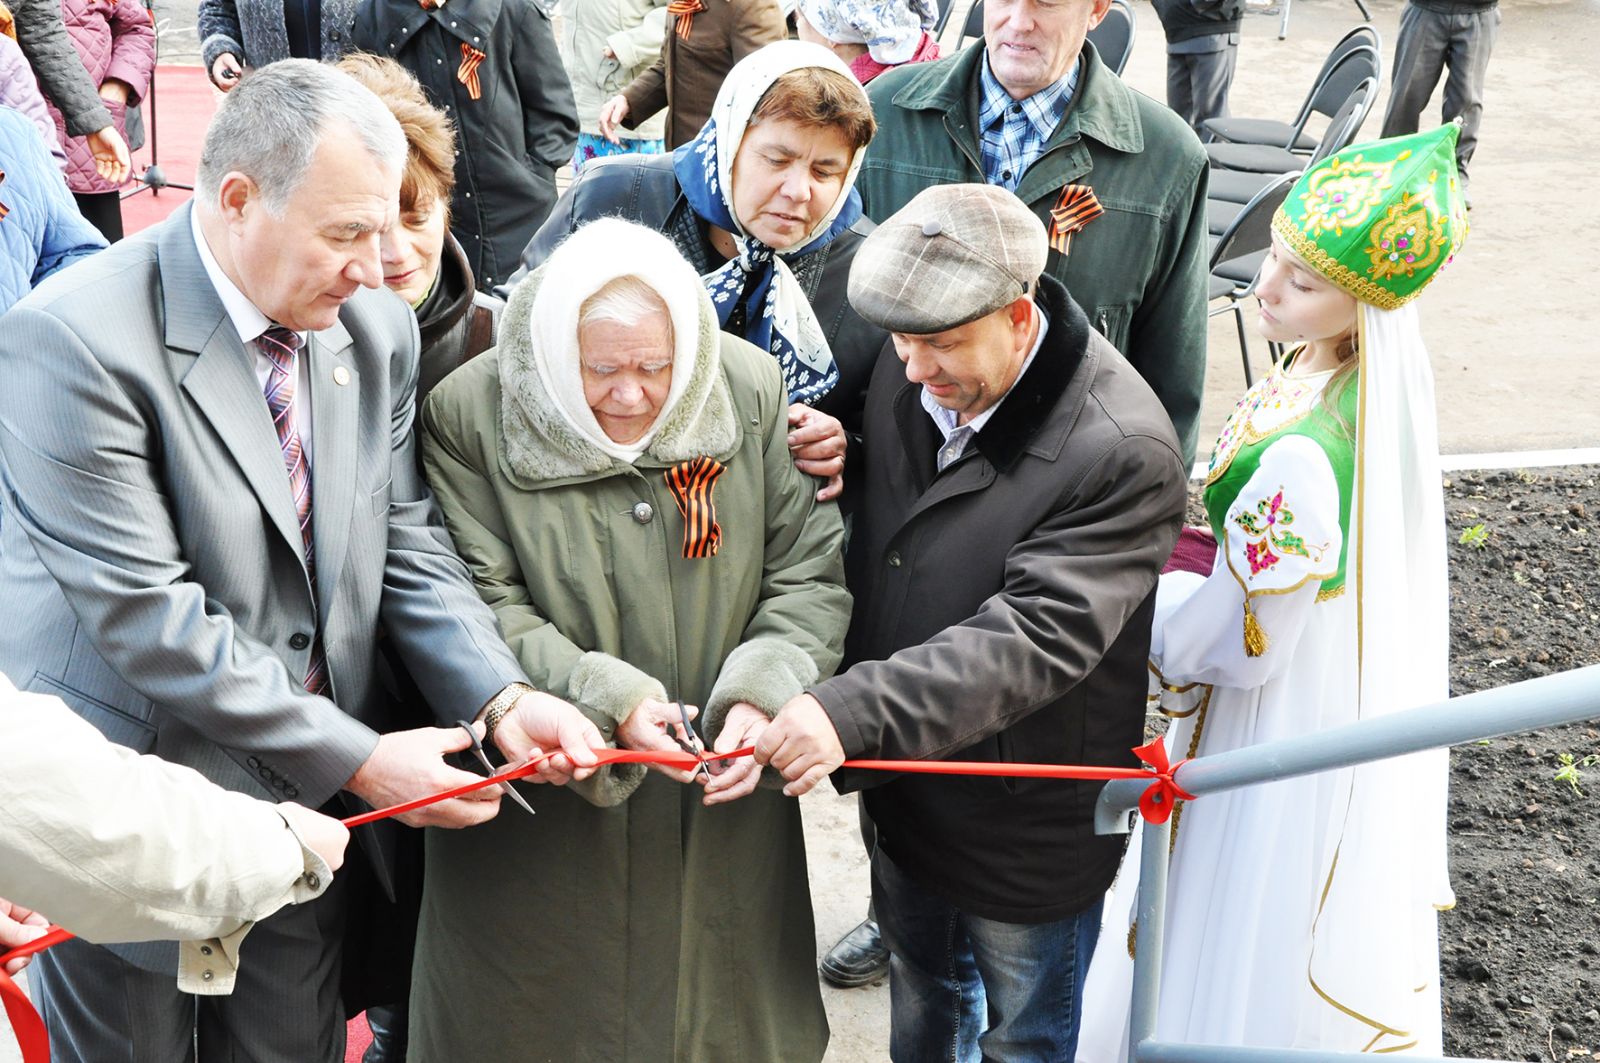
{"x": 183, "y": 103}
{"x": 359, "y": 1038}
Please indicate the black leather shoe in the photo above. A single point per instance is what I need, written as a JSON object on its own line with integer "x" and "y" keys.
{"x": 388, "y": 1034}
{"x": 859, "y": 958}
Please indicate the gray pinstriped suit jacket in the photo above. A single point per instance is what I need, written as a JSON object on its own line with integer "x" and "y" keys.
{"x": 150, "y": 558}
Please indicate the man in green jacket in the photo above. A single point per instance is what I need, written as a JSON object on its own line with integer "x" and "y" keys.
{"x": 1118, "y": 180}
{"x": 1036, "y": 112}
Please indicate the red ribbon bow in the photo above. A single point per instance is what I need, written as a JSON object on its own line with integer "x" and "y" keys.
{"x": 467, "y": 72}
{"x": 1077, "y": 207}
{"x": 1158, "y": 800}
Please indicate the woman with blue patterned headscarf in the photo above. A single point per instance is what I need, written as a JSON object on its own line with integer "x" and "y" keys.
{"x": 763, "y": 203}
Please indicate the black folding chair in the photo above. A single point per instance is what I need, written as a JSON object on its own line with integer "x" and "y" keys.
{"x": 1237, "y": 255}
{"x": 1342, "y": 127}
{"x": 973, "y": 26}
{"x": 1114, "y": 37}
{"x": 1292, "y": 135}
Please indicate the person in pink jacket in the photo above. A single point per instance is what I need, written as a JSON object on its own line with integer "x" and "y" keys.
{"x": 117, "y": 44}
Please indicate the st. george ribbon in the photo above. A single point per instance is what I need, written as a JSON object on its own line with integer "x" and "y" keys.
{"x": 1155, "y": 805}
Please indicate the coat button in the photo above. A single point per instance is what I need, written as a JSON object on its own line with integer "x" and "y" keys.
{"x": 894, "y": 559}
{"x": 312, "y": 881}
{"x": 299, "y": 640}
{"x": 206, "y": 976}
{"x": 205, "y": 950}
{"x": 643, "y": 512}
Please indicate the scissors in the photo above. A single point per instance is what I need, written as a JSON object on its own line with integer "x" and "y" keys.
{"x": 690, "y": 743}
{"x": 483, "y": 758}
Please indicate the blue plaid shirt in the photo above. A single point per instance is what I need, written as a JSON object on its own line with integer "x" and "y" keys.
{"x": 1014, "y": 132}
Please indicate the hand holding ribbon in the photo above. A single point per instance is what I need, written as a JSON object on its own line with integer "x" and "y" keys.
{"x": 801, "y": 746}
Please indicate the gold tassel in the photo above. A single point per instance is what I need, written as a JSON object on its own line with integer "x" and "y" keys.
{"x": 1133, "y": 938}
{"x": 1255, "y": 638}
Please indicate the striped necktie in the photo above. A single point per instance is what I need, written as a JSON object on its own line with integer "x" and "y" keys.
{"x": 281, "y": 346}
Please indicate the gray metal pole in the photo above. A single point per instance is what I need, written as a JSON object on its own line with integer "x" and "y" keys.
{"x": 1151, "y": 932}
{"x": 1527, "y": 706}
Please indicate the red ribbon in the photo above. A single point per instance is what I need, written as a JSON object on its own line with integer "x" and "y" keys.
{"x": 1155, "y": 805}
{"x": 32, "y": 1037}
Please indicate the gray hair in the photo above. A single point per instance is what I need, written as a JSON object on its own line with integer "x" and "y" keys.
{"x": 626, "y": 300}
{"x": 269, "y": 126}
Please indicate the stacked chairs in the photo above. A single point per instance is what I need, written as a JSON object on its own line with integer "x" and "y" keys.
{"x": 1237, "y": 254}
{"x": 1292, "y": 135}
{"x": 1359, "y": 66}
{"x": 1114, "y": 37}
{"x": 1255, "y": 161}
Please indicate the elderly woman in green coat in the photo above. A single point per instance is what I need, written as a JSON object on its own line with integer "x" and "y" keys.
{"x": 616, "y": 476}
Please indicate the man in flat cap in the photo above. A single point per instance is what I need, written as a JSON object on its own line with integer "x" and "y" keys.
{"x": 1022, "y": 488}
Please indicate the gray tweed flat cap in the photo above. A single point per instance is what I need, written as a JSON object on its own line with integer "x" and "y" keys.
{"x": 951, "y": 255}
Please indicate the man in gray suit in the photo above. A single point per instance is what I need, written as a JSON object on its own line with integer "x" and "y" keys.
{"x": 212, "y": 505}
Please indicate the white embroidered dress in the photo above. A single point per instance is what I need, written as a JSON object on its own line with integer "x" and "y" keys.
{"x": 1300, "y": 913}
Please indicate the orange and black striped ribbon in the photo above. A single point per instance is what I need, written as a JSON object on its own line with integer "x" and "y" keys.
{"x": 685, "y": 11}
{"x": 1077, "y": 207}
{"x": 690, "y": 483}
{"x": 467, "y": 73}
{"x": 4, "y": 210}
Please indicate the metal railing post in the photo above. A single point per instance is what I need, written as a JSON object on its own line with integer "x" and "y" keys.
{"x": 1526, "y": 706}
{"x": 1149, "y": 934}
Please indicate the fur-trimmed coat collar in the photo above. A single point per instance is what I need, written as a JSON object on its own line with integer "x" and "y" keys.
{"x": 538, "y": 447}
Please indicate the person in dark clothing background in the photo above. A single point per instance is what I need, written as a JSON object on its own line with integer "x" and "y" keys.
{"x": 1435, "y": 34}
{"x": 235, "y": 34}
{"x": 1202, "y": 50}
{"x": 493, "y": 67}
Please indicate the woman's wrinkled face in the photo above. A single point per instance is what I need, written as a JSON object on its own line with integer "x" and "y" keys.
{"x": 412, "y": 250}
{"x": 1299, "y": 305}
{"x": 786, "y": 178}
{"x": 627, "y": 373}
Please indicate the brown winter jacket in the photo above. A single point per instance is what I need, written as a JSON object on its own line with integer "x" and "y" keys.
{"x": 1003, "y": 613}
{"x": 686, "y": 77}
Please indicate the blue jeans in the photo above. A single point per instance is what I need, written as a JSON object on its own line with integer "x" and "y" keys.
{"x": 963, "y": 988}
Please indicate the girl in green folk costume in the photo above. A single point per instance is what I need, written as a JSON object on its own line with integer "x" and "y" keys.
{"x": 1303, "y": 913}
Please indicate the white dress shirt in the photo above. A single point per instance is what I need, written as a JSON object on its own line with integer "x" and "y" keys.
{"x": 958, "y": 436}
{"x": 250, "y": 322}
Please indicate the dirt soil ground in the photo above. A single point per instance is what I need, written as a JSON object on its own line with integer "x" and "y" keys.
{"x": 1518, "y": 953}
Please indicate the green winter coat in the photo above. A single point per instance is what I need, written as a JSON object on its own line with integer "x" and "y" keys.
{"x": 1139, "y": 270}
{"x": 627, "y": 922}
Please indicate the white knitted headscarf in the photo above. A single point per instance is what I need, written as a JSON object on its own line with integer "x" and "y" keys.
{"x": 585, "y": 262}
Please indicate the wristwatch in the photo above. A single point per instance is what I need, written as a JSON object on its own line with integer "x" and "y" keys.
{"x": 501, "y": 704}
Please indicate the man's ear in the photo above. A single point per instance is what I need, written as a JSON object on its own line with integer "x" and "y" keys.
{"x": 1020, "y": 314}
{"x": 1098, "y": 12}
{"x": 236, "y": 197}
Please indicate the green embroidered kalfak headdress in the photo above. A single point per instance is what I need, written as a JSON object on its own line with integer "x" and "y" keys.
{"x": 1379, "y": 219}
